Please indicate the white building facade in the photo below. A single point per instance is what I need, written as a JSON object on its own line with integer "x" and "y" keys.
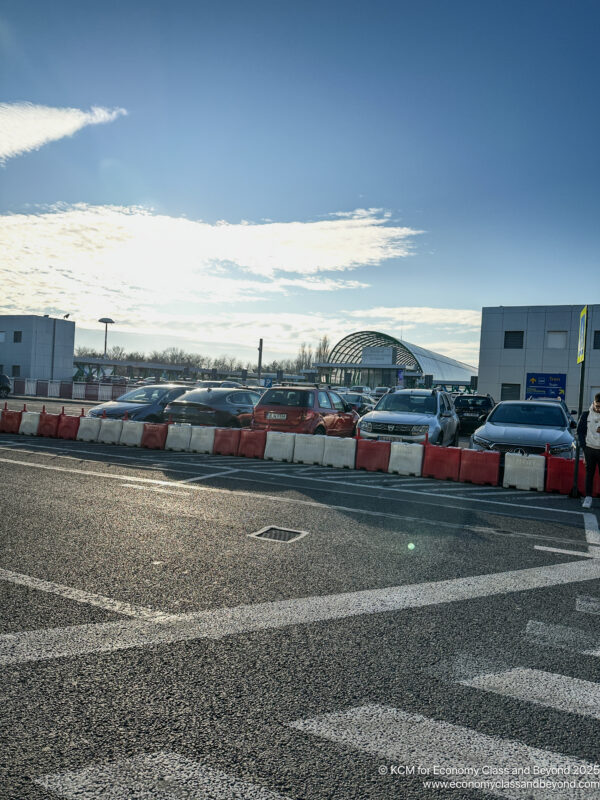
{"x": 531, "y": 351}
{"x": 36, "y": 347}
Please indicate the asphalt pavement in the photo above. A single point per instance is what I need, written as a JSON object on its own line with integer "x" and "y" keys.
{"x": 414, "y": 631}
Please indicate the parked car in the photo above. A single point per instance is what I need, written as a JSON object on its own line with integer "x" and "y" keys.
{"x": 379, "y": 391}
{"x": 223, "y": 407}
{"x": 409, "y": 415}
{"x": 471, "y": 408}
{"x": 302, "y": 409}
{"x": 218, "y": 384}
{"x": 5, "y": 387}
{"x": 361, "y": 389}
{"x": 526, "y": 426}
{"x": 145, "y": 403}
{"x": 361, "y": 403}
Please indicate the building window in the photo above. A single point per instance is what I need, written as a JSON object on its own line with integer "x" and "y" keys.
{"x": 510, "y": 391}
{"x": 596, "y": 340}
{"x": 556, "y": 340}
{"x": 16, "y": 371}
{"x": 18, "y": 336}
{"x": 513, "y": 340}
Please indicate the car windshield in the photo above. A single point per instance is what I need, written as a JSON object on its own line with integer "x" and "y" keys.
{"x": 144, "y": 395}
{"x": 474, "y": 403}
{"x": 287, "y": 397}
{"x": 532, "y": 414}
{"x": 199, "y": 396}
{"x": 408, "y": 403}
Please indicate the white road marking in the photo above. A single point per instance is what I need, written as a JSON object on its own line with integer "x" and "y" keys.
{"x": 162, "y": 775}
{"x": 548, "y": 689}
{"x": 155, "y": 489}
{"x": 107, "y": 603}
{"x": 562, "y": 637}
{"x": 220, "y": 622}
{"x": 563, "y": 552}
{"x": 592, "y": 534}
{"x": 210, "y": 475}
{"x": 587, "y": 604}
{"x": 412, "y": 739}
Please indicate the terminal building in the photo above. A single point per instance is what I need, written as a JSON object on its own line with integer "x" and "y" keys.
{"x": 531, "y": 351}
{"x": 36, "y": 347}
{"x": 370, "y": 358}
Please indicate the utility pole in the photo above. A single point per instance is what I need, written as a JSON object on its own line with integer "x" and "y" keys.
{"x": 260, "y": 348}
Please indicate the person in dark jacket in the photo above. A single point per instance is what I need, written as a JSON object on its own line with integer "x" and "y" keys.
{"x": 588, "y": 431}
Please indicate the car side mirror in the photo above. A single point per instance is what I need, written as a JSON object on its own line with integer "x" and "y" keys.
{"x": 573, "y": 411}
{"x": 572, "y": 424}
{"x": 482, "y": 418}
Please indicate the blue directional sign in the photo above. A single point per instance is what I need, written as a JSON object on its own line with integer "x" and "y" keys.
{"x": 545, "y": 384}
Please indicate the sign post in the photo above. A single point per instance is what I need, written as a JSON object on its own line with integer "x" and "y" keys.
{"x": 580, "y": 360}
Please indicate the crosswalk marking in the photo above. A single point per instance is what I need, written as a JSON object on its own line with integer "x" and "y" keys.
{"x": 217, "y": 623}
{"x": 563, "y": 637}
{"x": 160, "y": 776}
{"x": 547, "y": 689}
{"x": 415, "y": 740}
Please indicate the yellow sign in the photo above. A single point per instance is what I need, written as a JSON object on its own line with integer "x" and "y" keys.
{"x": 582, "y": 330}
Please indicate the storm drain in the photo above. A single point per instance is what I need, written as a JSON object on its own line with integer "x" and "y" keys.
{"x": 273, "y": 534}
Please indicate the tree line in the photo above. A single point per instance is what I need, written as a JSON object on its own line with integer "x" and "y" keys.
{"x": 304, "y": 359}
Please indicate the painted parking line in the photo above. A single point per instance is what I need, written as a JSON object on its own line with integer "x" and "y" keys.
{"x": 562, "y": 637}
{"x": 210, "y": 475}
{"x": 107, "y": 603}
{"x": 108, "y": 637}
{"x": 548, "y": 689}
{"x": 410, "y": 739}
{"x": 563, "y": 552}
{"x": 155, "y": 490}
{"x": 162, "y": 775}
{"x": 592, "y": 534}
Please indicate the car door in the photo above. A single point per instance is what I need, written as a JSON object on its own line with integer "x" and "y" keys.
{"x": 240, "y": 405}
{"x": 345, "y": 420}
{"x": 327, "y": 412}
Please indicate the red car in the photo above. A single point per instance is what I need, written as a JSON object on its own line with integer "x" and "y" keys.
{"x": 304, "y": 409}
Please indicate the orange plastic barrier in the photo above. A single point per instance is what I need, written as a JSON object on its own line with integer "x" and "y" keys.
{"x": 480, "y": 467}
{"x": 154, "y": 436}
{"x": 227, "y": 441}
{"x": 559, "y": 476}
{"x": 49, "y": 423}
{"x": 68, "y": 427}
{"x": 372, "y": 456}
{"x": 252, "y": 443}
{"x": 442, "y": 463}
{"x": 10, "y": 421}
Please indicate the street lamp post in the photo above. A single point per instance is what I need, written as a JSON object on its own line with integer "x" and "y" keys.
{"x": 106, "y": 321}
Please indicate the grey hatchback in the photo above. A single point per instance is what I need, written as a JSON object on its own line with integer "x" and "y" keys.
{"x": 525, "y": 427}
{"x": 409, "y": 415}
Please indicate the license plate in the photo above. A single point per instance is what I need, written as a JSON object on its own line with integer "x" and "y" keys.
{"x": 388, "y": 438}
{"x": 273, "y": 415}
{"x": 471, "y": 414}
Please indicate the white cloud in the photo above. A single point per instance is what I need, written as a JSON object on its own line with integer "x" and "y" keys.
{"x": 410, "y": 316}
{"x": 25, "y": 127}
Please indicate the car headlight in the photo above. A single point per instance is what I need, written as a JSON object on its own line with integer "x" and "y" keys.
{"x": 481, "y": 441}
{"x": 365, "y": 426}
{"x": 419, "y": 429}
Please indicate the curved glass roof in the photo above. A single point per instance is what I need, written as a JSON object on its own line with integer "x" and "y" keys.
{"x": 444, "y": 370}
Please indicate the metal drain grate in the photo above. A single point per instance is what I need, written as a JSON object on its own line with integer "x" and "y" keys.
{"x": 273, "y": 534}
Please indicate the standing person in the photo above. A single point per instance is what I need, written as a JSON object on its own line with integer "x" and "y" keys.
{"x": 588, "y": 431}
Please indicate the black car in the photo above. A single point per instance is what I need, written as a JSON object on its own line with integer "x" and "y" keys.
{"x": 4, "y": 386}
{"x": 222, "y": 407}
{"x": 470, "y": 408}
{"x": 142, "y": 404}
{"x": 362, "y": 403}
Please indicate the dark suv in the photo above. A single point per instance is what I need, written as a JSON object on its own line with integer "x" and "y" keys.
{"x": 304, "y": 409}
{"x": 470, "y": 408}
{"x": 5, "y": 386}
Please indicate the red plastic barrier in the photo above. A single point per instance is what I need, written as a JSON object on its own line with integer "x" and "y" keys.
{"x": 227, "y": 441}
{"x": 442, "y": 463}
{"x": 91, "y": 391}
{"x": 41, "y": 388}
{"x": 252, "y": 443}
{"x": 19, "y": 386}
{"x": 372, "y": 456}
{"x": 10, "y": 421}
{"x": 48, "y": 424}
{"x": 66, "y": 390}
{"x": 154, "y": 436}
{"x": 559, "y": 476}
{"x": 482, "y": 468}
{"x": 68, "y": 427}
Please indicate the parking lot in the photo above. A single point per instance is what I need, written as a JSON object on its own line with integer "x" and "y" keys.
{"x": 152, "y": 647}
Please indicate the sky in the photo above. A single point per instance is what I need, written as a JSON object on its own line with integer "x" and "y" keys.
{"x": 211, "y": 173}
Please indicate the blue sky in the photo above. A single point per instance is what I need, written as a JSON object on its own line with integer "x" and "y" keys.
{"x": 210, "y": 173}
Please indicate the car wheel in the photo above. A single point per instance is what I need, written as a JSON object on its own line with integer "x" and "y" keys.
{"x": 455, "y": 440}
{"x": 320, "y": 431}
{"x": 4, "y": 392}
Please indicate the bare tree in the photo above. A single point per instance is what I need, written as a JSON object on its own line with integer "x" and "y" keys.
{"x": 322, "y": 351}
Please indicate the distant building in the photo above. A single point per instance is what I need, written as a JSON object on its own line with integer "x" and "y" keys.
{"x": 531, "y": 351}
{"x": 36, "y": 347}
{"x": 372, "y": 359}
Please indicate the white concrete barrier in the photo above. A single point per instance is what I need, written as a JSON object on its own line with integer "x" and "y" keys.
{"x": 339, "y": 453}
{"x": 202, "y": 439}
{"x": 31, "y": 387}
{"x": 131, "y": 433}
{"x": 280, "y": 446}
{"x": 524, "y": 472}
{"x": 406, "y": 458}
{"x": 79, "y": 391}
{"x": 29, "y": 423}
{"x": 53, "y": 388}
{"x": 179, "y": 437}
{"x": 309, "y": 449}
{"x": 104, "y": 392}
{"x": 89, "y": 428}
{"x": 110, "y": 431}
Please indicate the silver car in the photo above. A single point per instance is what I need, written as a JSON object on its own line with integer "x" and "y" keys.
{"x": 526, "y": 426}
{"x": 411, "y": 415}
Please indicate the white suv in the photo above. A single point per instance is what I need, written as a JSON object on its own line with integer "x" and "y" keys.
{"x": 410, "y": 415}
